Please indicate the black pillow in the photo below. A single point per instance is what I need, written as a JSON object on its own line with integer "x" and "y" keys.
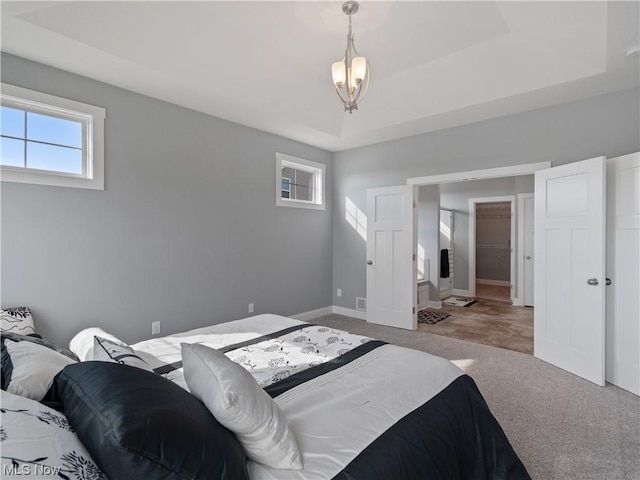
{"x": 136, "y": 424}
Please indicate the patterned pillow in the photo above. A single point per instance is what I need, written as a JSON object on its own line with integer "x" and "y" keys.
{"x": 82, "y": 342}
{"x": 17, "y": 320}
{"x": 109, "y": 351}
{"x": 38, "y": 442}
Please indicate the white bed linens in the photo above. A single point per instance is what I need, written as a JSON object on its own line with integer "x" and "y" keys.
{"x": 270, "y": 360}
{"x": 337, "y": 415}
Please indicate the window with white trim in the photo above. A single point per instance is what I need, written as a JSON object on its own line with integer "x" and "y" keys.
{"x": 48, "y": 140}
{"x": 299, "y": 182}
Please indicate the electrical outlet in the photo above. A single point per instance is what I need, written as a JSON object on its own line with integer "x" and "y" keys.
{"x": 155, "y": 328}
{"x": 251, "y": 308}
{"x": 339, "y": 292}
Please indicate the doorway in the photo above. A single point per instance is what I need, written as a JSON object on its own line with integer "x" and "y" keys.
{"x": 491, "y": 252}
{"x": 504, "y": 324}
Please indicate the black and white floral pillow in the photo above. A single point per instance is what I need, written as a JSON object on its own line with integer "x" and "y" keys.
{"x": 109, "y": 351}
{"x": 17, "y": 320}
{"x": 38, "y": 442}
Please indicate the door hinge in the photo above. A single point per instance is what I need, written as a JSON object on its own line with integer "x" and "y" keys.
{"x": 414, "y": 310}
{"x": 414, "y": 257}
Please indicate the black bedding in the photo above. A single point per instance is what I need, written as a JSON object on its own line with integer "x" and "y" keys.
{"x": 452, "y": 436}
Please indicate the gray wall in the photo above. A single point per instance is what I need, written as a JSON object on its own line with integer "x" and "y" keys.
{"x": 604, "y": 125}
{"x": 455, "y": 196}
{"x": 186, "y": 230}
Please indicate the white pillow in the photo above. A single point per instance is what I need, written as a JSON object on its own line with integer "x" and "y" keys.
{"x": 33, "y": 368}
{"x": 109, "y": 351}
{"x": 235, "y": 399}
{"x": 38, "y": 442}
{"x": 82, "y": 343}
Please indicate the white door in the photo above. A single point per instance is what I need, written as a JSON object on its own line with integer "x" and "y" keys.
{"x": 528, "y": 250}
{"x": 623, "y": 267}
{"x": 391, "y": 265}
{"x": 569, "y": 269}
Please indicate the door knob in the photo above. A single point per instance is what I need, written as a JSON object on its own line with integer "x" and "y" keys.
{"x": 593, "y": 282}
{"x": 608, "y": 281}
{"x": 369, "y": 262}
{"x": 528, "y": 257}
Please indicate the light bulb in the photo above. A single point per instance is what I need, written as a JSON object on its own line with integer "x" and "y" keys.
{"x": 359, "y": 68}
{"x": 339, "y": 74}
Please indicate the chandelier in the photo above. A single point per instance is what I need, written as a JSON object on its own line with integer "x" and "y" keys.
{"x": 351, "y": 74}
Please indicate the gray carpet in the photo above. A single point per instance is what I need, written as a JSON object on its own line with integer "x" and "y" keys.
{"x": 561, "y": 426}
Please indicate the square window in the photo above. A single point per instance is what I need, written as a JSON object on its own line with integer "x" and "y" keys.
{"x": 300, "y": 182}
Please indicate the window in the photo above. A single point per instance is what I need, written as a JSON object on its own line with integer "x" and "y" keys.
{"x": 49, "y": 140}
{"x": 300, "y": 183}
{"x": 286, "y": 187}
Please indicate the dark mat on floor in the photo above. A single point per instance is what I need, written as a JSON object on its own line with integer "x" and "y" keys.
{"x": 430, "y": 317}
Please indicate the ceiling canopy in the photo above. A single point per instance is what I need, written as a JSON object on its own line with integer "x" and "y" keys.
{"x": 268, "y": 64}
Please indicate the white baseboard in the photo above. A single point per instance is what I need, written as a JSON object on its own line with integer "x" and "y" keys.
{"x": 498, "y": 283}
{"x": 461, "y": 293}
{"x": 306, "y": 316}
{"x": 349, "y": 312}
{"x": 436, "y": 304}
{"x": 518, "y": 302}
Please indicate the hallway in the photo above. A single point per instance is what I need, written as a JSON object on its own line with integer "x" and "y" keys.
{"x": 492, "y": 320}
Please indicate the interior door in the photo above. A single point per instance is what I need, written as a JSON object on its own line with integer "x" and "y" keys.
{"x": 528, "y": 250}
{"x": 391, "y": 264}
{"x": 623, "y": 268}
{"x": 569, "y": 318}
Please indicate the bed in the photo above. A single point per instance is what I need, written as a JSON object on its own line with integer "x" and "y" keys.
{"x": 338, "y": 405}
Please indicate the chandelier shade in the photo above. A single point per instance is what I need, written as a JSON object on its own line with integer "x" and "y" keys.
{"x": 351, "y": 74}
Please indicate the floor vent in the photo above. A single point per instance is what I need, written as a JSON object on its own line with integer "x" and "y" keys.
{"x": 361, "y": 304}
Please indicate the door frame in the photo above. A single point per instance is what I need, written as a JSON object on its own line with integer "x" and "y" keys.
{"x": 521, "y": 197}
{"x": 499, "y": 172}
{"x": 511, "y": 200}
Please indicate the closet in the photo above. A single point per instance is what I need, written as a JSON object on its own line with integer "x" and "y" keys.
{"x": 493, "y": 243}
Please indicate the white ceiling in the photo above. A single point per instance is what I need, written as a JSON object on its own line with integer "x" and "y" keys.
{"x": 435, "y": 64}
